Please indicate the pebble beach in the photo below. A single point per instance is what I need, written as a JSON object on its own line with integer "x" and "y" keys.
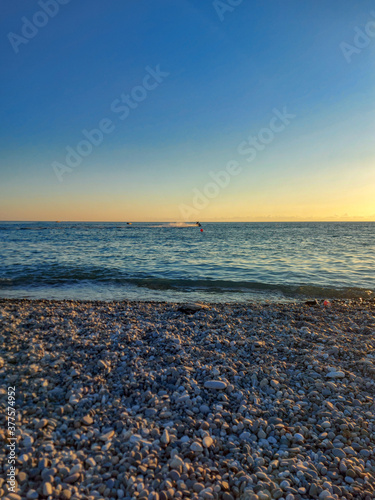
{"x": 159, "y": 401}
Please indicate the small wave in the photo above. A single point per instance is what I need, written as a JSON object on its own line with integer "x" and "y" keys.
{"x": 210, "y": 286}
{"x": 224, "y": 286}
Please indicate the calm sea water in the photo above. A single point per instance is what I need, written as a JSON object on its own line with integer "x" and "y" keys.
{"x": 225, "y": 262}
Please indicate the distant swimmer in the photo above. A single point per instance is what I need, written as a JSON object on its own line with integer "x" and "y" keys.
{"x": 129, "y": 223}
{"x": 198, "y": 224}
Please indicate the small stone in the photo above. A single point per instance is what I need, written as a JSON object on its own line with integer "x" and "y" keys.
{"x": 176, "y": 462}
{"x": 351, "y": 473}
{"x": 298, "y": 437}
{"x": 204, "y": 409}
{"x": 47, "y": 489}
{"x": 324, "y": 494}
{"x": 75, "y": 468}
{"x": 335, "y": 374}
{"x": 277, "y": 493}
{"x": 22, "y": 477}
{"x": 151, "y": 412}
{"x": 165, "y": 439}
{"x": 87, "y": 420}
{"x": 215, "y": 384}
{"x": 107, "y": 436}
{"x": 227, "y": 496}
{"x": 313, "y": 490}
{"x": 364, "y": 453}
{"x": 90, "y": 462}
{"x": 28, "y": 441}
{"x": 73, "y": 478}
{"x": 66, "y": 494}
{"x": 337, "y": 452}
{"x": 42, "y": 423}
{"x": 192, "y": 308}
{"x": 264, "y": 495}
{"x": 174, "y": 475}
{"x": 24, "y": 458}
{"x": 73, "y": 400}
{"x": 32, "y": 494}
{"x": 198, "y": 487}
{"x": 208, "y": 441}
{"x": 349, "y": 450}
{"x": 263, "y": 383}
{"x": 196, "y": 447}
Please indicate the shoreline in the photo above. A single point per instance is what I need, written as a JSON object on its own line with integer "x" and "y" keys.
{"x": 301, "y": 301}
{"x": 156, "y": 400}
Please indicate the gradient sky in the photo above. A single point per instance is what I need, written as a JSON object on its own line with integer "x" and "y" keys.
{"x": 227, "y": 71}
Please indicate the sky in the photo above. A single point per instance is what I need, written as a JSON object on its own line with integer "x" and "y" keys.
{"x": 223, "y": 110}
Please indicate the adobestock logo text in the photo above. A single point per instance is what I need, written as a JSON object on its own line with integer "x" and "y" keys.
{"x": 121, "y": 107}
{"x": 361, "y": 39}
{"x": 30, "y": 28}
{"x": 266, "y": 135}
{"x": 223, "y": 6}
{"x": 249, "y": 149}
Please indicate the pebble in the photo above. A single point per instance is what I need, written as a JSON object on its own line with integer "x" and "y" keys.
{"x": 165, "y": 439}
{"x": 33, "y": 494}
{"x": 47, "y": 489}
{"x": 27, "y": 441}
{"x": 298, "y": 437}
{"x": 90, "y": 462}
{"x": 215, "y": 384}
{"x": 196, "y": 447}
{"x": 72, "y": 478}
{"x": 208, "y": 441}
{"x": 87, "y": 420}
{"x": 107, "y": 436}
{"x": 176, "y": 462}
{"x": 335, "y": 374}
{"x": 337, "y": 452}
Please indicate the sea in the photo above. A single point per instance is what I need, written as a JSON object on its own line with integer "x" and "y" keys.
{"x": 178, "y": 262}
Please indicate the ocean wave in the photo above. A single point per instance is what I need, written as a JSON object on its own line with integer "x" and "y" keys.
{"x": 212, "y": 286}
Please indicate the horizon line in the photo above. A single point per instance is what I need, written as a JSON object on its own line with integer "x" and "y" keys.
{"x": 189, "y": 222}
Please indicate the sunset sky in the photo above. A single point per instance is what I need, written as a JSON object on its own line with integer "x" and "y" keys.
{"x": 180, "y": 90}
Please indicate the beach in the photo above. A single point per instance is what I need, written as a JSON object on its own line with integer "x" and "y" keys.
{"x": 158, "y": 400}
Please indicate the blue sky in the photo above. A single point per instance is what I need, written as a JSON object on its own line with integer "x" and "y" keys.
{"x": 226, "y": 75}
